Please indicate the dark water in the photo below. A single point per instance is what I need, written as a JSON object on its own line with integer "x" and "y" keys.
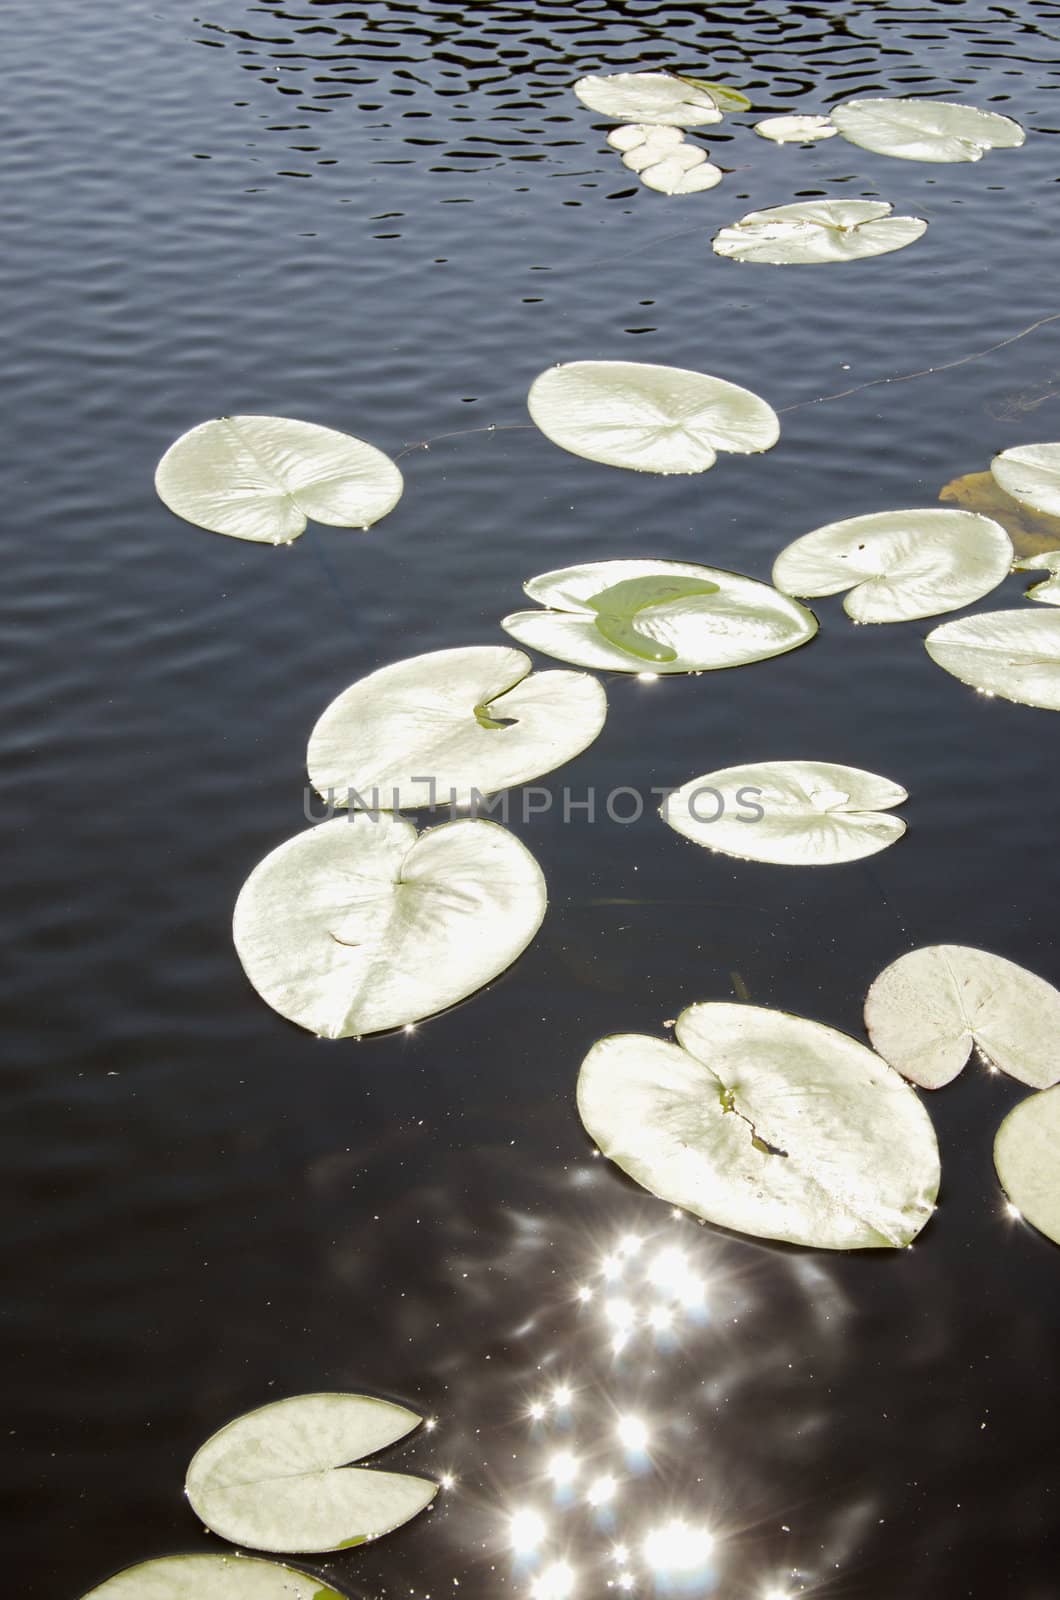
{"x": 388, "y": 218}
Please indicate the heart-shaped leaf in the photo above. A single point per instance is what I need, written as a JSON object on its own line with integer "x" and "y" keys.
{"x": 1030, "y": 473}
{"x": 789, "y": 813}
{"x": 927, "y": 1011}
{"x": 261, "y": 478}
{"x": 278, "y": 1478}
{"x": 358, "y": 925}
{"x": 766, "y": 1123}
{"x": 212, "y": 1578}
{"x": 796, "y": 130}
{"x": 1027, "y": 1158}
{"x": 811, "y": 232}
{"x": 898, "y": 565}
{"x": 649, "y": 97}
{"x": 440, "y": 728}
{"x": 1012, "y": 654}
{"x": 663, "y": 616}
{"x": 925, "y": 130}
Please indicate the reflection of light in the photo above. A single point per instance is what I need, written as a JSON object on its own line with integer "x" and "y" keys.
{"x": 410, "y": 1027}
{"x": 528, "y": 1530}
{"x": 661, "y": 1318}
{"x": 536, "y": 1411}
{"x": 563, "y": 1468}
{"x": 675, "y": 1547}
{"x": 776, "y": 1594}
{"x": 1014, "y": 1212}
{"x": 648, "y": 677}
{"x": 561, "y": 1395}
{"x": 584, "y": 1294}
{"x": 630, "y": 1245}
{"x": 620, "y": 1314}
{"x": 447, "y": 1480}
{"x": 620, "y": 1554}
{"x": 555, "y": 1583}
{"x": 602, "y": 1491}
{"x": 611, "y": 1267}
{"x": 632, "y": 1433}
{"x": 430, "y": 1424}
{"x": 670, "y": 1274}
{"x": 625, "y": 1581}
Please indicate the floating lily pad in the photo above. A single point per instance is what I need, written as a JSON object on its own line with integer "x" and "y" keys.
{"x": 212, "y": 1578}
{"x": 359, "y": 925}
{"x": 1030, "y": 473}
{"x": 1027, "y": 1158}
{"x": 1012, "y": 654}
{"x": 898, "y": 565}
{"x": 796, "y": 130}
{"x": 812, "y": 232}
{"x": 262, "y": 478}
{"x": 278, "y": 1478}
{"x": 927, "y": 1011}
{"x": 766, "y": 1123}
{"x": 649, "y": 97}
{"x": 649, "y": 418}
{"x": 1030, "y": 531}
{"x": 1048, "y": 591}
{"x": 925, "y": 130}
{"x": 437, "y": 728}
{"x": 662, "y": 616}
{"x": 685, "y": 171}
{"x": 643, "y": 143}
{"x": 790, "y": 813}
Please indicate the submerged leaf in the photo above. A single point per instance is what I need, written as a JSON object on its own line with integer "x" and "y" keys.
{"x": 654, "y": 97}
{"x": 1048, "y": 591}
{"x": 700, "y": 617}
{"x": 359, "y": 925}
{"x": 648, "y": 418}
{"x": 278, "y": 1478}
{"x": 1013, "y": 654}
{"x": 1030, "y": 473}
{"x": 212, "y": 1578}
{"x": 929, "y": 1009}
{"x": 766, "y": 1123}
{"x": 439, "y": 728}
{"x": 262, "y": 478}
{"x": 1030, "y": 531}
{"x": 811, "y": 232}
{"x": 796, "y": 130}
{"x": 1027, "y": 1159}
{"x": 898, "y": 565}
{"x": 925, "y": 130}
{"x": 789, "y": 813}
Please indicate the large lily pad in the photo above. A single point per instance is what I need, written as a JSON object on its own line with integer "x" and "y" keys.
{"x": 212, "y": 1578}
{"x": 1012, "y": 654}
{"x": 1030, "y": 473}
{"x": 654, "y": 97}
{"x": 261, "y": 478}
{"x": 649, "y": 418}
{"x": 796, "y": 129}
{"x": 925, "y": 130}
{"x": 1027, "y": 1158}
{"x": 767, "y": 1123}
{"x": 789, "y": 813}
{"x": 927, "y": 1011}
{"x": 812, "y": 232}
{"x": 358, "y": 925}
{"x": 437, "y": 728}
{"x": 659, "y": 616}
{"x": 278, "y": 1478}
{"x": 898, "y": 565}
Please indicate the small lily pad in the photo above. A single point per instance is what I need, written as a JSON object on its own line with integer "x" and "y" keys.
{"x": 1048, "y": 591}
{"x": 1027, "y": 1159}
{"x": 656, "y": 97}
{"x": 1012, "y": 654}
{"x": 925, "y": 130}
{"x": 231, "y": 1577}
{"x": 1030, "y": 473}
{"x": 796, "y": 130}
{"x": 813, "y": 232}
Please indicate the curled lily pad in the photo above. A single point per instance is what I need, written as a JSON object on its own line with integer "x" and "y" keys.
{"x": 1030, "y": 473}
{"x": 359, "y": 925}
{"x": 649, "y": 418}
{"x": 212, "y": 1578}
{"x": 649, "y": 97}
{"x": 796, "y": 130}
{"x": 437, "y": 728}
{"x": 262, "y": 478}
{"x": 790, "y": 813}
{"x": 929, "y": 1009}
{"x": 811, "y": 232}
{"x": 1048, "y": 591}
{"x": 278, "y": 1478}
{"x": 1027, "y": 1159}
{"x": 1012, "y": 654}
{"x": 767, "y": 1123}
{"x": 925, "y": 130}
{"x": 898, "y": 565}
{"x": 662, "y": 616}
{"x": 724, "y": 97}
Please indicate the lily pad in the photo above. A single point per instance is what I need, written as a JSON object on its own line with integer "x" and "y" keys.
{"x": 262, "y": 478}
{"x": 1012, "y": 654}
{"x": 1027, "y": 1158}
{"x": 928, "y": 1010}
{"x": 796, "y": 130}
{"x": 685, "y": 171}
{"x": 1031, "y": 532}
{"x": 278, "y": 1479}
{"x": 925, "y": 130}
{"x": 767, "y": 1123}
{"x": 663, "y": 616}
{"x": 212, "y": 1578}
{"x": 359, "y": 925}
{"x": 439, "y": 728}
{"x": 812, "y": 232}
{"x": 724, "y": 97}
{"x": 899, "y": 565}
{"x": 649, "y": 418}
{"x": 789, "y": 813}
{"x": 649, "y": 97}
{"x": 1048, "y": 591}
{"x": 1030, "y": 473}
{"x": 643, "y": 143}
